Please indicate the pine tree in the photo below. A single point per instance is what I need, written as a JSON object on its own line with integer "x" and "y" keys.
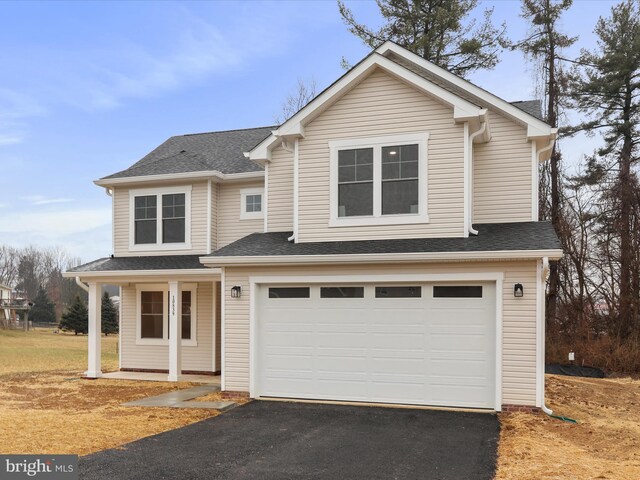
{"x": 544, "y": 45}
{"x": 76, "y": 318}
{"x": 437, "y": 30}
{"x": 109, "y": 315}
{"x": 608, "y": 93}
{"x": 43, "y": 310}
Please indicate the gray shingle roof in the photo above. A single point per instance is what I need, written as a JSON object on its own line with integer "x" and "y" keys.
{"x": 532, "y": 107}
{"x": 160, "y": 262}
{"x": 219, "y": 151}
{"x": 492, "y": 237}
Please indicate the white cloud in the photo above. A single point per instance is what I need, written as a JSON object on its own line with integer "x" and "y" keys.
{"x": 42, "y": 200}
{"x": 54, "y": 225}
{"x": 11, "y": 138}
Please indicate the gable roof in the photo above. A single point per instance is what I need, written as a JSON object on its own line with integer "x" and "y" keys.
{"x": 469, "y": 101}
{"x": 220, "y": 152}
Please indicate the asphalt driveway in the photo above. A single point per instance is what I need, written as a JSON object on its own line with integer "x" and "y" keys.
{"x": 278, "y": 440}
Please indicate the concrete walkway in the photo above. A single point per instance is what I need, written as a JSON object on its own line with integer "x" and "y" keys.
{"x": 180, "y": 399}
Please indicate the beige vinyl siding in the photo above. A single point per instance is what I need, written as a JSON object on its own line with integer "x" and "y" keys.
{"x": 383, "y": 105}
{"x": 198, "y": 358}
{"x": 519, "y": 317}
{"x": 121, "y": 224}
{"x": 230, "y": 227}
{"x": 280, "y": 191}
{"x": 502, "y": 176}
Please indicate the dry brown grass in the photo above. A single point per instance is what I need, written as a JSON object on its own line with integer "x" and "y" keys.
{"x": 605, "y": 444}
{"x": 46, "y": 408}
{"x": 218, "y": 397}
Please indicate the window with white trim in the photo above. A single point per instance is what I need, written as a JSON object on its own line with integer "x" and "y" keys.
{"x": 160, "y": 218}
{"x": 379, "y": 180}
{"x": 153, "y": 315}
{"x": 251, "y": 203}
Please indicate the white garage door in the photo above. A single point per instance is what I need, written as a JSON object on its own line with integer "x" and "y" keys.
{"x": 424, "y": 344}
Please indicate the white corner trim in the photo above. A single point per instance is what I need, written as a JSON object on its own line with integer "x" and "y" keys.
{"x": 535, "y": 181}
{"x": 223, "y": 333}
{"x": 158, "y": 192}
{"x": 256, "y": 281}
{"x": 377, "y": 142}
{"x": 209, "y": 214}
{"x": 215, "y": 320}
{"x": 244, "y": 192}
{"x": 164, "y": 288}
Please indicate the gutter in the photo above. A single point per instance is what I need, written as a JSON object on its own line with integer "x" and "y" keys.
{"x": 168, "y": 177}
{"x": 381, "y": 258}
{"x": 82, "y": 285}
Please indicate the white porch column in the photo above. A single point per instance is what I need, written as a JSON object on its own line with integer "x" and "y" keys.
{"x": 95, "y": 330}
{"x": 175, "y": 331}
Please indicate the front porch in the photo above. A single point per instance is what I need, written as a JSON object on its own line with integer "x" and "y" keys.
{"x": 162, "y": 377}
{"x": 169, "y": 322}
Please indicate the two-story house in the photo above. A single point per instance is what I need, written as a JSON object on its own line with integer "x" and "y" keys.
{"x": 381, "y": 245}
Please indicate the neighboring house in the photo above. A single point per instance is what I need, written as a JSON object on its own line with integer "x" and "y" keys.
{"x": 5, "y": 301}
{"x": 382, "y": 245}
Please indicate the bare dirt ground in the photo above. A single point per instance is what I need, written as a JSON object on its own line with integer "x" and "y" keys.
{"x": 605, "y": 444}
{"x": 45, "y": 407}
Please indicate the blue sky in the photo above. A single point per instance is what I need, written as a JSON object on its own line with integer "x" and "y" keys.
{"x": 88, "y": 88}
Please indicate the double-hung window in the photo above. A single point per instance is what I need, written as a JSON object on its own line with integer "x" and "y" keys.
{"x": 153, "y": 315}
{"x": 160, "y": 218}
{"x": 379, "y": 180}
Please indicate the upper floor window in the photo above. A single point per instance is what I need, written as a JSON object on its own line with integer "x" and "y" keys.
{"x": 379, "y": 181}
{"x": 251, "y": 203}
{"x": 160, "y": 218}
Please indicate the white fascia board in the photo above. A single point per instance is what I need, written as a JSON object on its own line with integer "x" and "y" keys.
{"x": 384, "y": 258}
{"x": 172, "y": 177}
{"x": 536, "y": 127}
{"x": 463, "y": 110}
{"x": 143, "y": 273}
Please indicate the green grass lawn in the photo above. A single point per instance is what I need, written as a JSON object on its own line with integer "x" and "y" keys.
{"x": 41, "y": 350}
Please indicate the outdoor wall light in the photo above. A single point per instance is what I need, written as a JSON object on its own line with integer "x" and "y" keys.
{"x": 236, "y": 291}
{"x": 518, "y": 290}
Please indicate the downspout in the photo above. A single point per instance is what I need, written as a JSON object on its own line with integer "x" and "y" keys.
{"x": 82, "y": 285}
{"x": 480, "y": 131}
{"x": 545, "y": 276}
{"x": 293, "y": 238}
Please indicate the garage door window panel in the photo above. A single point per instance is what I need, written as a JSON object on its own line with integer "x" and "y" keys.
{"x": 399, "y": 292}
{"x": 341, "y": 292}
{"x": 457, "y": 291}
{"x": 289, "y": 292}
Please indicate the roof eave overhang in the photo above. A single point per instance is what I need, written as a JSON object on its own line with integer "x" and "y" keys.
{"x": 502, "y": 255}
{"x": 185, "y": 176}
{"x": 148, "y": 274}
{"x": 463, "y": 110}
